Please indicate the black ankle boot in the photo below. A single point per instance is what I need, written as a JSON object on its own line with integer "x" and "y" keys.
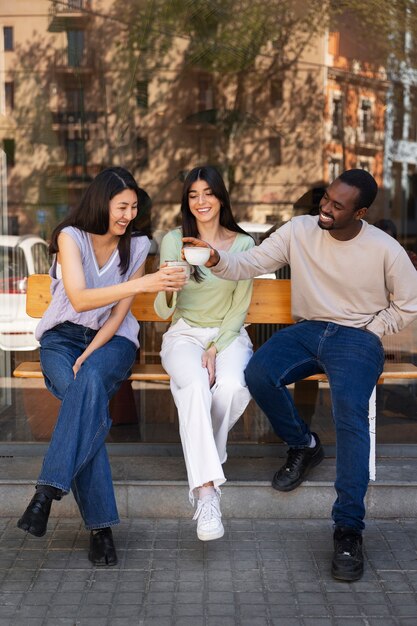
{"x": 102, "y": 550}
{"x": 35, "y": 519}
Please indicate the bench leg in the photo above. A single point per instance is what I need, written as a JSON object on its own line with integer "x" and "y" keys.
{"x": 372, "y": 435}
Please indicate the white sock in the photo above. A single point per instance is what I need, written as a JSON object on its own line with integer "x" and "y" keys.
{"x": 313, "y": 442}
{"x": 206, "y": 491}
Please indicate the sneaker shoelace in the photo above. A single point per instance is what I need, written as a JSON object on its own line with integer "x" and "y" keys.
{"x": 347, "y": 545}
{"x": 207, "y": 509}
{"x": 294, "y": 456}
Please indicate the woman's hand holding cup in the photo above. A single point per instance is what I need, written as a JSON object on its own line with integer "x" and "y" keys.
{"x": 180, "y": 264}
{"x": 165, "y": 279}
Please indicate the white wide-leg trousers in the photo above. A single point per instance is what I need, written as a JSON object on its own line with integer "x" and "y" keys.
{"x": 205, "y": 415}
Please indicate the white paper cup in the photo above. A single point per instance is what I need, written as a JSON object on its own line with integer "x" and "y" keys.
{"x": 182, "y": 264}
{"x": 196, "y": 255}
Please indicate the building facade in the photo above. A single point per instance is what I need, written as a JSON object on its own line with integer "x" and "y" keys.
{"x": 84, "y": 84}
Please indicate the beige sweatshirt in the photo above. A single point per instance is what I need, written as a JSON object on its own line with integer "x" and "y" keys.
{"x": 366, "y": 282}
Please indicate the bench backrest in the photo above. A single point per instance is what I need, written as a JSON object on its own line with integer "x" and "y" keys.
{"x": 270, "y": 304}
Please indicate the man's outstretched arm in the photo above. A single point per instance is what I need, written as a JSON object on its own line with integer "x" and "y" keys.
{"x": 272, "y": 254}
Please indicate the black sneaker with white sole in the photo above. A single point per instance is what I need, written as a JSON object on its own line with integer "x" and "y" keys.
{"x": 347, "y": 561}
{"x": 299, "y": 462}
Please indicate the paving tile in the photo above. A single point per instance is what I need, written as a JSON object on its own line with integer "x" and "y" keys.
{"x": 189, "y": 610}
{"x": 221, "y": 609}
{"x": 25, "y": 621}
{"x": 321, "y": 621}
{"x": 161, "y": 610}
{"x": 125, "y": 610}
{"x": 262, "y": 573}
{"x": 31, "y": 611}
{"x": 221, "y": 621}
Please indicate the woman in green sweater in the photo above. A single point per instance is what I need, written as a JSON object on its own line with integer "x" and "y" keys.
{"x": 206, "y": 349}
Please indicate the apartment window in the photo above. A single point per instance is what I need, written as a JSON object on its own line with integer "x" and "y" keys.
{"x": 8, "y": 38}
{"x": 9, "y": 148}
{"x": 335, "y": 169}
{"x": 397, "y": 192}
{"x": 9, "y": 94}
{"x": 206, "y": 147}
{"x": 75, "y": 47}
{"x": 412, "y": 129}
{"x": 365, "y": 165}
{"x": 276, "y": 92}
{"x": 75, "y": 152}
{"x": 76, "y": 4}
{"x": 74, "y": 105}
{"x": 366, "y": 123}
{"x": 205, "y": 93}
{"x": 411, "y": 192}
{"x": 142, "y": 152}
{"x": 275, "y": 152}
{"x": 412, "y": 51}
{"x": 398, "y": 106}
{"x": 75, "y": 100}
{"x": 142, "y": 94}
{"x": 337, "y": 119}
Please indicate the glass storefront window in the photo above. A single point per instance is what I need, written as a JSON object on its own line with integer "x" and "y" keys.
{"x": 280, "y": 99}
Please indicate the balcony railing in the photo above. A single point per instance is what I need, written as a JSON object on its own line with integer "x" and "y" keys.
{"x": 75, "y": 117}
{"x": 72, "y": 175}
{"x": 71, "y": 5}
{"x": 337, "y": 132}
{"x": 72, "y": 14}
{"x": 70, "y": 61}
{"x": 369, "y": 138}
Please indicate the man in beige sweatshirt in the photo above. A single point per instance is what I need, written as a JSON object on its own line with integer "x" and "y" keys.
{"x": 351, "y": 283}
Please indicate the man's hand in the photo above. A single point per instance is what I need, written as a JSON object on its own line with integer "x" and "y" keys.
{"x": 193, "y": 241}
{"x": 208, "y": 360}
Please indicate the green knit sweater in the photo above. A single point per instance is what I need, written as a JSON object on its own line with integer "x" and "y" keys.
{"x": 212, "y": 302}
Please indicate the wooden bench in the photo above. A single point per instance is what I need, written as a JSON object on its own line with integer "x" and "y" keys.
{"x": 270, "y": 304}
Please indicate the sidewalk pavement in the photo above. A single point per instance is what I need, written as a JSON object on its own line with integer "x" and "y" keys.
{"x": 261, "y": 573}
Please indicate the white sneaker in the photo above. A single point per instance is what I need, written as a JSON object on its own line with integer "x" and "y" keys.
{"x": 208, "y": 514}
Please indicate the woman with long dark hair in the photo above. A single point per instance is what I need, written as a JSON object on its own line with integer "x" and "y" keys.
{"x": 206, "y": 349}
{"x": 89, "y": 339}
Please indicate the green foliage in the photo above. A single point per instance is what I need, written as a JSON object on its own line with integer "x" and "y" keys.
{"x": 223, "y": 35}
{"x": 379, "y": 27}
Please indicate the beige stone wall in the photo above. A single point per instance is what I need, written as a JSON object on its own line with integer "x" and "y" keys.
{"x": 176, "y": 139}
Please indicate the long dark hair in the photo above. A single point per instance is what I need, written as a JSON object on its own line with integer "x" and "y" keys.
{"x": 92, "y": 213}
{"x": 189, "y": 224}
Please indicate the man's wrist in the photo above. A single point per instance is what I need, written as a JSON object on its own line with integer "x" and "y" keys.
{"x": 215, "y": 256}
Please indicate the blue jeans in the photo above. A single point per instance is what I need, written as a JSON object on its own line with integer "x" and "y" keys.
{"x": 353, "y": 359}
{"x": 77, "y": 457}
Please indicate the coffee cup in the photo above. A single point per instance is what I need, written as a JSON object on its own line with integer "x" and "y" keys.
{"x": 183, "y": 264}
{"x": 196, "y": 255}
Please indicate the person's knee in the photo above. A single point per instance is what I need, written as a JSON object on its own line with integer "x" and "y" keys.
{"x": 230, "y": 386}
{"x": 255, "y": 374}
{"x": 90, "y": 376}
{"x": 350, "y": 415}
{"x": 195, "y": 384}
{"x": 349, "y": 399}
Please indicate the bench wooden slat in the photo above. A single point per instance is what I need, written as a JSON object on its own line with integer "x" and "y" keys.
{"x": 38, "y": 294}
{"x": 270, "y": 304}
{"x": 28, "y": 369}
{"x": 155, "y": 372}
{"x": 140, "y": 371}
